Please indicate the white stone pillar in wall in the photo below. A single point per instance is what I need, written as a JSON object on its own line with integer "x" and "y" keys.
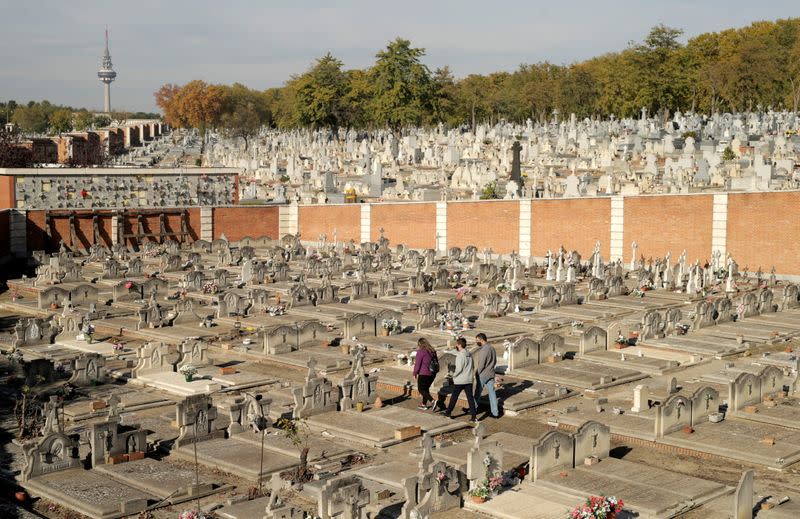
{"x": 116, "y": 231}
{"x": 441, "y": 227}
{"x": 617, "y": 244}
{"x": 525, "y": 238}
{"x": 18, "y": 233}
{"x": 719, "y": 225}
{"x": 366, "y": 222}
{"x": 207, "y": 223}
{"x": 288, "y": 220}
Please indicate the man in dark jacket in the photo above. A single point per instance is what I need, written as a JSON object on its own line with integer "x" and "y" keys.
{"x": 486, "y": 360}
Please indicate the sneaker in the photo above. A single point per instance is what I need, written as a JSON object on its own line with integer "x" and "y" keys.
{"x": 435, "y": 408}
{"x": 474, "y": 420}
{"x": 422, "y": 407}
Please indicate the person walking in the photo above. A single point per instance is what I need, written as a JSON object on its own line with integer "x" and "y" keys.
{"x": 426, "y": 365}
{"x": 484, "y": 372}
{"x": 462, "y": 379}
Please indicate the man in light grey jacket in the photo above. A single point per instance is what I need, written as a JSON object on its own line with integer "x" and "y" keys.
{"x": 462, "y": 379}
{"x": 484, "y": 372}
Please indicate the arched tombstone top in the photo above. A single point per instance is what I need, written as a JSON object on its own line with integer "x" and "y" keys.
{"x": 592, "y": 439}
{"x": 553, "y": 452}
{"x": 771, "y": 380}
{"x": 673, "y": 414}
{"x": 310, "y": 333}
{"x": 550, "y": 344}
{"x": 705, "y": 401}
{"x": 724, "y": 309}
{"x": 524, "y": 351}
{"x": 614, "y": 331}
{"x": 744, "y": 390}
{"x": 765, "y": 298}
{"x": 592, "y": 339}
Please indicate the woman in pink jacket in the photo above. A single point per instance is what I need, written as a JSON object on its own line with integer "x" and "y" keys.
{"x": 426, "y": 365}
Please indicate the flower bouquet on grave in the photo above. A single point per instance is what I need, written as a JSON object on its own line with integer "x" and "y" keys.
{"x": 188, "y": 371}
{"x": 152, "y": 252}
{"x": 276, "y": 310}
{"x": 454, "y": 278}
{"x": 597, "y": 507}
{"x": 462, "y": 291}
{"x": 209, "y": 287}
{"x": 118, "y": 348}
{"x": 501, "y": 288}
{"x": 391, "y": 326}
{"x": 191, "y": 514}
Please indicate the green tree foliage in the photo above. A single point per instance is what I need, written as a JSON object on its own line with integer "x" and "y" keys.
{"x": 60, "y": 120}
{"x": 244, "y": 112}
{"x": 33, "y": 117}
{"x": 82, "y": 120}
{"x": 320, "y": 94}
{"x": 731, "y": 70}
{"x": 401, "y": 86}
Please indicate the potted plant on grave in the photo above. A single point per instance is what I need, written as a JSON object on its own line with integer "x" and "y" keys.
{"x": 480, "y": 493}
{"x": 192, "y": 514}
{"x": 118, "y": 348}
{"x": 597, "y": 507}
{"x": 188, "y": 371}
{"x": 390, "y": 327}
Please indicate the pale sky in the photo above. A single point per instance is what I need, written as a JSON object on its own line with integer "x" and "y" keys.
{"x": 52, "y": 49}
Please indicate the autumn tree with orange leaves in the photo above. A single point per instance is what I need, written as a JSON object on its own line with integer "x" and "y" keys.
{"x": 196, "y": 104}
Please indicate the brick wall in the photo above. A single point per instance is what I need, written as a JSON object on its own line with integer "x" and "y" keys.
{"x": 411, "y": 224}
{"x": 237, "y": 222}
{"x": 576, "y": 224}
{"x": 484, "y": 224}
{"x": 661, "y": 224}
{"x": 764, "y": 230}
{"x": 37, "y": 230}
{"x": 317, "y": 220}
{"x": 7, "y": 192}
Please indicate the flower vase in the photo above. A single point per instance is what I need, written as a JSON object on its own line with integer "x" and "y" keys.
{"x": 478, "y": 499}
{"x": 189, "y": 378}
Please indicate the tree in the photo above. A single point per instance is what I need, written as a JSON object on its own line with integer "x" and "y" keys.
{"x": 658, "y": 69}
{"x": 444, "y": 94}
{"x": 166, "y": 99}
{"x": 199, "y": 105}
{"x": 243, "y": 122}
{"x": 32, "y": 118}
{"x": 61, "y": 120}
{"x": 401, "y": 86}
{"x": 320, "y": 93}
{"x": 101, "y": 121}
{"x": 83, "y": 120}
{"x": 296, "y": 431}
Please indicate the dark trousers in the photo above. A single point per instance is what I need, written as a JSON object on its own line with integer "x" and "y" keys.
{"x": 457, "y": 389}
{"x": 424, "y": 387}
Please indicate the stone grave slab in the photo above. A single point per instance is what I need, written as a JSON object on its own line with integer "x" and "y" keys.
{"x": 91, "y": 493}
{"x": 176, "y": 384}
{"x": 102, "y": 347}
{"x": 651, "y": 491}
{"x": 157, "y": 477}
